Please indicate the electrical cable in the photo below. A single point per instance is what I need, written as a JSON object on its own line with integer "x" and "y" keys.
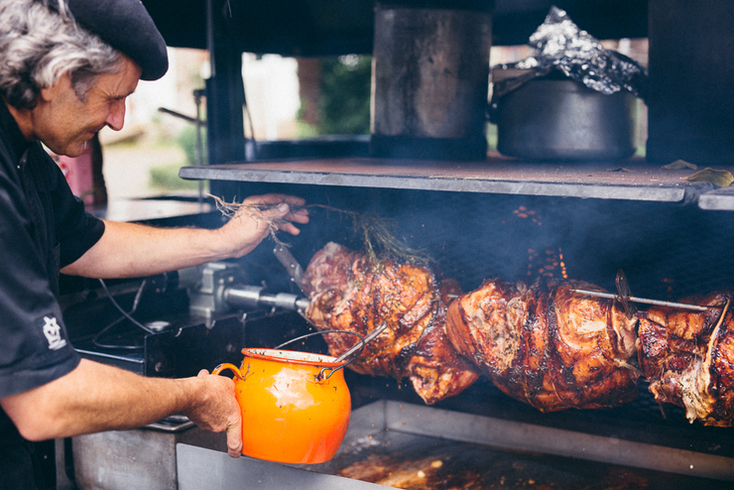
{"x": 126, "y": 315}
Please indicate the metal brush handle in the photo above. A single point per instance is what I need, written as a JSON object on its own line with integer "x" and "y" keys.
{"x": 358, "y": 347}
{"x": 370, "y": 336}
{"x": 294, "y": 269}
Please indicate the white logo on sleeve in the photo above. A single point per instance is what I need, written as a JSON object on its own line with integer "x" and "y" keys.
{"x": 52, "y": 331}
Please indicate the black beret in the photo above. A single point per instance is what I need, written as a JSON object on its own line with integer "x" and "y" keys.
{"x": 126, "y": 26}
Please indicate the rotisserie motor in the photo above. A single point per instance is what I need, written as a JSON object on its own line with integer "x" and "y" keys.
{"x": 688, "y": 357}
{"x": 350, "y": 291}
{"x": 545, "y": 345}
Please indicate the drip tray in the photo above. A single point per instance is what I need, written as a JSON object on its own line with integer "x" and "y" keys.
{"x": 398, "y": 445}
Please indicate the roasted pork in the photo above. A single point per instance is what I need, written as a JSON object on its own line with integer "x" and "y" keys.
{"x": 688, "y": 357}
{"x": 348, "y": 290}
{"x": 546, "y": 345}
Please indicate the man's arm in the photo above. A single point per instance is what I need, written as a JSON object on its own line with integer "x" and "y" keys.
{"x": 134, "y": 250}
{"x": 96, "y": 397}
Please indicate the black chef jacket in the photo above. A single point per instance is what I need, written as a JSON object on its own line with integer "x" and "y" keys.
{"x": 43, "y": 228}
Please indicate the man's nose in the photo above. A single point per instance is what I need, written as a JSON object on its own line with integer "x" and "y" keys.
{"x": 116, "y": 118}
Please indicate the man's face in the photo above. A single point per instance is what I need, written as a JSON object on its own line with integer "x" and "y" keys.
{"x": 65, "y": 123}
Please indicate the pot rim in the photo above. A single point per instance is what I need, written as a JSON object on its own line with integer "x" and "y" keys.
{"x": 291, "y": 356}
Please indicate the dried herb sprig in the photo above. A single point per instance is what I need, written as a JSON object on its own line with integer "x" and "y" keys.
{"x": 254, "y": 211}
{"x": 380, "y": 239}
{"x": 378, "y": 233}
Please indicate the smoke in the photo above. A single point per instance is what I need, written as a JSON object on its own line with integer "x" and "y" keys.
{"x": 666, "y": 250}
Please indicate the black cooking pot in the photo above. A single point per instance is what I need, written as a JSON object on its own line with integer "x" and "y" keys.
{"x": 562, "y": 119}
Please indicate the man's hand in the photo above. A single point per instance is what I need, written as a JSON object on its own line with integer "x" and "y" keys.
{"x": 257, "y": 216}
{"x": 137, "y": 250}
{"x": 219, "y": 411}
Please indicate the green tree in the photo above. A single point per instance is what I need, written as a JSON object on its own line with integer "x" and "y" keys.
{"x": 344, "y": 105}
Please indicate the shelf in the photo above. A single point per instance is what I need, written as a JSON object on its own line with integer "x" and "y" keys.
{"x": 718, "y": 200}
{"x": 633, "y": 179}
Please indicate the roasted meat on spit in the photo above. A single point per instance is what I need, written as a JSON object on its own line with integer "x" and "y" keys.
{"x": 545, "y": 345}
{"x": 349, "y": 291}
{"x": 688, "y": 357}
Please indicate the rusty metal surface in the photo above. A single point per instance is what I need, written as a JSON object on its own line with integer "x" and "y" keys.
{"x": 632, "y": 179}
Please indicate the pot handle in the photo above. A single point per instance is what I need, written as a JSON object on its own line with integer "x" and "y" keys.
{"x": 231, "y": 367}
{"x": 357, "y": 348}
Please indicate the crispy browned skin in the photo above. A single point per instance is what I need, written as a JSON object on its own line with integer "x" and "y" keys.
{"x": 349, "y": 292}
{"x": 545, "y": 345}
{"x": 436, "y": 370}
{"x": 688, "y": 358}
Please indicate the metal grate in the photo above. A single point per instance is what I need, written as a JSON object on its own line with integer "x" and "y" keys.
{"x": 666, "y": 250}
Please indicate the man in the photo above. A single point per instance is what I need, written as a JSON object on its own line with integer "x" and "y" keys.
{"x": 66, "y": 67}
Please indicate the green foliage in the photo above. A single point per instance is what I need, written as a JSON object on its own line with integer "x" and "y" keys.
{"x": 305, "y": 130}
{"x": 167, "y": 178}
{"x": 187, "y": 141}
{"x": 345, "y": 95}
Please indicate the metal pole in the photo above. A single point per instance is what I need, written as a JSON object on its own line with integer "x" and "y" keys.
{"x": 199, "y": 148}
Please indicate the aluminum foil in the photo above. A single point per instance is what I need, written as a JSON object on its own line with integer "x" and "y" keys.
{"x": 558, "y": 44}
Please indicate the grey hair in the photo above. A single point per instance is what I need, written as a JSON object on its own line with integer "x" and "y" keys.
{"x": 40, "y": 42}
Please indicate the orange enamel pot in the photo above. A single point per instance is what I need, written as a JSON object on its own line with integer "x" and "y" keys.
{"x": 295, "y": 405}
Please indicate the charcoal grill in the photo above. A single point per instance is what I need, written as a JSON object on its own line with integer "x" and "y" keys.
{"x": 498, "y": 217}
{"x": 505, "y": 218}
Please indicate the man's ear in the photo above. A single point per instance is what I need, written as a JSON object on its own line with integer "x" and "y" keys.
{"x": 46, "y": 94}
{"x": 49, "y": 93}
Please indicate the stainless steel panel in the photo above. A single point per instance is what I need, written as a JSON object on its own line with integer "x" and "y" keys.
{"x": 632, "y": 180}
{"x": 200, "y": 468}
{"x": 512, "y": 435}
{"x": 124, "y": 460}
{"x": 139, "y": 458}
{"x": 398, "y": 425}
{"x": 718, "y": 200}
